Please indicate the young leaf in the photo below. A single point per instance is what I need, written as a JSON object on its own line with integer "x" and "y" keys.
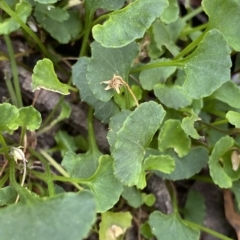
{"x": 126, "y": 25}
{"x": 208, "y": 67}
{"x": 115, "y": 125}
{"x": 194, "y": 209}
{"x": 28, "y": 117}
{"x": 187, "y": 166}
{"x": 170, "y": 14}
{"x": 104, "y": 186}
{"x": 233, "y": 118}
{"x": 74, "y": 211}
{"x": 65, "y": 142}
{"x": 103, "y": 110}
{"x": 8, "y": 115}
{"x": 172, "y": 96}
{"x": 45, "y": 77}
{"x": 161, "y": 223}
{"x": 133, "y": 196}
{"x": 162, "y": 37}
{"x": 149, "y": 78}
{"x": 81, "y": 165}
{"x": 228, "y": 93}
{"x": 132, "y": 140}
{"x": 106, "y": 62}
{"x": 8, "y": 195}
{"x": 218, "y": 19}
{"x": 216, "y": 171}
{"x": 188, "y": 125}
{"x": 22, "y": 10}
{"x": 113, "y": 225}
{"x": 162, "y": 163}
{"x": 173, "y": 136}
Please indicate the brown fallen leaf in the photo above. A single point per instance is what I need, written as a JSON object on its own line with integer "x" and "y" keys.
{"x": 232, "y": 216}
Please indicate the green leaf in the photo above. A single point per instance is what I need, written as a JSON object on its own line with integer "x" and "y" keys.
{"x": 81, "y": 165}
{"x": 170, "y": 14}
{"x": 222, "y": 14}
{"x": 191, "y": 212}
{"x": 120, "y": 98}
{"x": 8, "y": 115}
{"x": 8, "y": 195}
{"x": 208, "y": 67}
{"x": 233, "y": 118}
{"x": 62, "y": 29}
{"x": 228, "y": 93}
{"x": 28, "y": 118}
{"x": 74, "y": 211}
{"x": 46, "y": 1}
{"x": 149, "y": 78}
{"x": 65, "y": 142}
{"x": 132, "y": 140}
{"x": 93, "y": 5}
{"x": 23, "y": 10}
{"x": 162, "y": 37}
{"x": 126, "y": 25}
{"x": 148, "y": 199}
{"x": 52, "y": 12}
{"x": 104, "y": 186}
{"x": 103, "y": 110}
{"x": 162, "y": 163}
{"x": 45, "y": 77}
{"x": 145, "y": 230}
{"x": 172, "y": 96}
{"x": 187, "y": 166}
{"x": 106, "y": 62}
{"x": 115, "y": 125}
{"x": 216, "y": 171}
{"x": 161, "y": 225}
{"x": 113, "y": 225}
{"x": 133, "y": 196}
{"x": 188, "y": 125}
{"x": 173, "y": 136}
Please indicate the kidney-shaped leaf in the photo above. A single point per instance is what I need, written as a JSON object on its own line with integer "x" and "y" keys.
{"x": 208, "y": 67}
{"x": 114, "y": 225}
{"x": 126, "y": 25}
{"x": 222, "y": 14}
{"x": 233, "y": 118}
{"x": 8, "y": 114}
{"x": 23, "y": 10}
{"x": 8, "y": 195}
{"x": 172, "y": 96}
{"x": 103, "y": 110}
{"x": 66, "y": 216}
{"x": 28, "y": 118}
{"x": 132, "y": 140}
{"x": 169, "y": 227}
{"x": 104, "y": 186}
{"x": 106, "y": 62}
{"x": 187, "y": 166}
{"x": 170, "y": 14}
{"x": 45, "y": 77}
{"x": 173, "y": 136}
{"x": 216, "y": 170}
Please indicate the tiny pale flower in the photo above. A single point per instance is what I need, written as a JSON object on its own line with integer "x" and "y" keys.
{"x": 115, "y": 83}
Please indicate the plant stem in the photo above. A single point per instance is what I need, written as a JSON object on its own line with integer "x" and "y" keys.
{"x": 207, "y": 230}
{"x": 192, "y": 30}
{"x": 10, "y": 89}
{"x": 155, "y": 65}
{"x": 88, "y": 27}
{"x": 192, "y": 14}
{"x": 14, "y": 71}
{"x": 51, "y": 189}
{"x": 58, "y": 167}
{"x": 13, "y": 15}
{"x": 91, "y": 136}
